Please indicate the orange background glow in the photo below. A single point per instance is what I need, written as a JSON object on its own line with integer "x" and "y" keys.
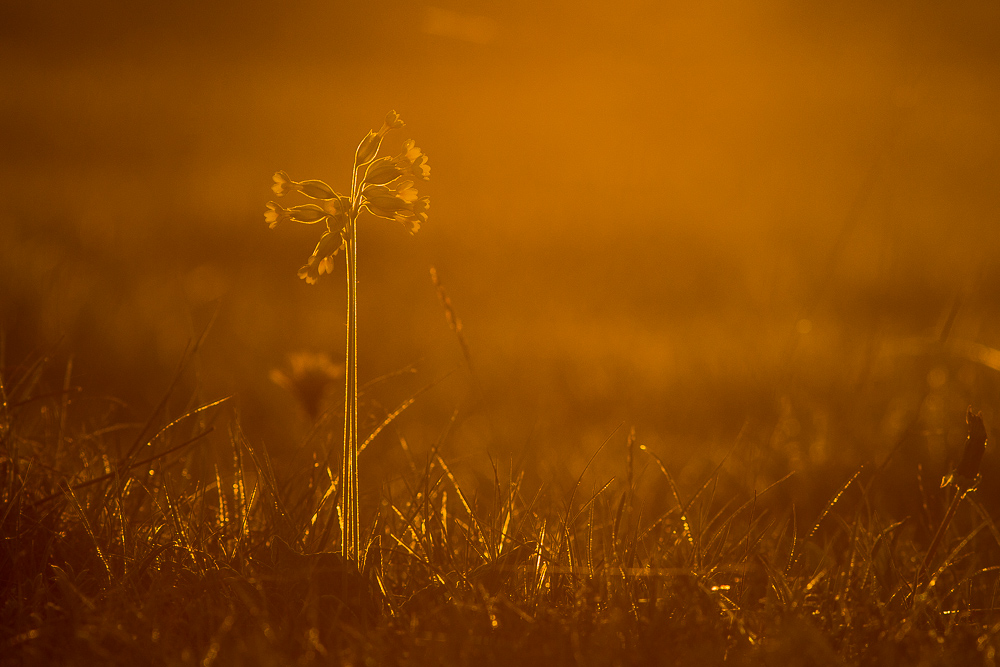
{"x": 677, "y": 217}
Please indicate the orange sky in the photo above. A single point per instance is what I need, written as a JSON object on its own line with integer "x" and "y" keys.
{"x": 608, "y": 178}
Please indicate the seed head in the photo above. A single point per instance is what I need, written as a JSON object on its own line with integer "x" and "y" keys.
{"x": 967, "y": 473}
{"x": 311, "y": 375}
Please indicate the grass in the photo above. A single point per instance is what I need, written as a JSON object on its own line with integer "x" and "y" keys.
{"x": 179, "y": 541}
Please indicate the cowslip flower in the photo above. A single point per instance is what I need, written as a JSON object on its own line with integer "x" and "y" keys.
{"x": 392, "y": 122}
{"x": 369, "y": 146}
{"x": 414, "y": 217}
{"x": 399, "y": 203}
{"x": 410, "y": 162}
{"x": 282, "y": 184}
{"x": 378, "y": 186}
{"x": 312, "y": 188}
{"x": 383, "y": 200}
{"x": 321, "y": 260}
{"x": 307, "y": 214}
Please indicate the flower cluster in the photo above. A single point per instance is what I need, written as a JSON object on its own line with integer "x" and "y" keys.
{"x": 383, "y": 186}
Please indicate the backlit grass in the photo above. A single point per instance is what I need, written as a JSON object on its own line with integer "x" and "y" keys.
{"x": 179, "y": 541}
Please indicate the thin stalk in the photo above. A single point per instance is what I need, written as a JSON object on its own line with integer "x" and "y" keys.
{"x": 356, "y": 515}
{"x": 938, "y": 536}
{"x": 350, "y": 544}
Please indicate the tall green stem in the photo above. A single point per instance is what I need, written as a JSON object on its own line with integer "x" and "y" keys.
{"x": 351, "y": 543}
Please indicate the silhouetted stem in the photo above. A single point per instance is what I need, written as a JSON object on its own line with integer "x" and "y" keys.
{"x": 350, "y": 543}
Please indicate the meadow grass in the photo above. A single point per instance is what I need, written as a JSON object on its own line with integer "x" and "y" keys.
{"x": 177, "y": 540}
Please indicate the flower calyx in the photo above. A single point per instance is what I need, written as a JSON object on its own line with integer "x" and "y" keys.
{"x": 369, "y": 146}
{"x": 400, "y": 203}
{"x": 307, "y": 214}
{"x": 312, "y": 188}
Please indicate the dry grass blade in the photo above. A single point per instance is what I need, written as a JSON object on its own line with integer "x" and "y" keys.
{"x": 391, "y": 417}
{"x": 950, "y": 558}
{"x": 90, "y": 531}
{"x": 589, "y": 503}
{"x": 135, "y": 464}
{"x": 465, "y": 504}
{"x": 833, "y": 501}
{"x": 677, "y": 497}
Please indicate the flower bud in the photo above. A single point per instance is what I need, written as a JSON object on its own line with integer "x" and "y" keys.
{"x": 392, "y": 122}
{"x": 367, "y": 148}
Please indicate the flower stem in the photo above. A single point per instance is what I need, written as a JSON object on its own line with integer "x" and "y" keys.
{"x": 350, "y": 544}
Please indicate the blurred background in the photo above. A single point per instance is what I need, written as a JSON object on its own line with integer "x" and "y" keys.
{"x": 724, "y": 223}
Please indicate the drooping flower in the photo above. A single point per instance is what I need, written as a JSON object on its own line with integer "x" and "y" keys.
{"x": 282, "y": 184}
{"x": 307, "y": 214}
{"x": 400, "y": 203}
{"x": 410, "y": 162}
{"x": 310, "y": 272}
{"x": 311, "y": 188}
{"x": 406, "y": 191}
{"x": 274, "y": 214}
{"x": 321, "y": 260}
{"x": 369, "y": 146}
{"x": 415, "y": 217}
{"x": 416, "y": 160}
{"x": 385, "y": 201}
